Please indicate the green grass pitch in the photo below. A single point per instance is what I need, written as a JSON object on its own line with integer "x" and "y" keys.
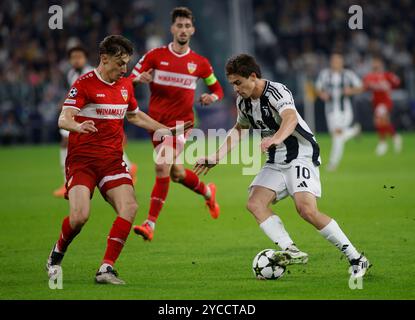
{"x": 195, "y": 257}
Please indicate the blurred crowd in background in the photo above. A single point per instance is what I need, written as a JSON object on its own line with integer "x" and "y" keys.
{"x": 292, "y": 41}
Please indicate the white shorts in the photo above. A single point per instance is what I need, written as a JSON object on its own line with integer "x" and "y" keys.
{"x": 339, "y": 119}
{"x": 64, "y": 133}
{"x": 301, "y": 175}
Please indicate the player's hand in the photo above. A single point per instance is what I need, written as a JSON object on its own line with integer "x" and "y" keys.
{"x": 180, "y": 129}
{"x": 348, "y": 91}
{"x": 324, "y": 96}
{"x": 203, "y": 165}
{"x": 266, "y": 143}
{"x": 86, "y": 127}
{"x": 144, "y": 77}
{"x": 206, "y": 99}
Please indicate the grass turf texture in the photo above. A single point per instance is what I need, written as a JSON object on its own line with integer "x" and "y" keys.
{"x": 195, "y": 257}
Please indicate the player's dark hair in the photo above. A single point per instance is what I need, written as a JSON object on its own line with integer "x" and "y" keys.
{"x": 182, "y": 12}
{"x": 116, "y": 45}
{"x": 76, "y": 49}
{"x": 243, "y": 65}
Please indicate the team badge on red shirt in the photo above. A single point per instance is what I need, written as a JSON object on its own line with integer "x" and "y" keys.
{"x": 124, "y": 94}
{"x": 191, "y": 67}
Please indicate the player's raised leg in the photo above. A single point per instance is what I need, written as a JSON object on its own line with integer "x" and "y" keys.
{"x": 122, "y": 199}
{"x": 190, "y": 180}
{"x": 79, "y": 204}
{"x": 306, "y": 205}
{"x": 259, "y": 202}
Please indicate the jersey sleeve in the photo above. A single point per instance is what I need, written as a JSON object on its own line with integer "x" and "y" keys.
{"x": 354, "y": 79}
{"x": 320, "y": 82}
{"x": 241, "y": 119}
{"x": 132, "y": 103}
{"x": 208, "y": 76}
{"x": 393, "y": 79}
{"x": 144, "y": 64}
{"x": 281, "y": 99}
{"x": 77, "y": 97}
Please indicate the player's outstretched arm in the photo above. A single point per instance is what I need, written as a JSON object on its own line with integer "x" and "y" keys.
{"x": 66, "y": 121}
{"x": 288, "y": 124}
{"x": 141, "y": 119}
{"x": 204, "y": 164}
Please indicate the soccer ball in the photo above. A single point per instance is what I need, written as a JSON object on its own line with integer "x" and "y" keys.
{"x": 264, "y": 268}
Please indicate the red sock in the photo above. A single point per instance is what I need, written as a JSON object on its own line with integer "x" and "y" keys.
{"x": 116, "y": 240}
{"x": 391, "y": 129}
{"x": 67, "y": 235}
{"x": 382, "y": 131}
{"x": 158, "y": 196}
{"x": 192, "y": 181}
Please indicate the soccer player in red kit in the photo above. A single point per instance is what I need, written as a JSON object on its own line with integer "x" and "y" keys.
{"x": 172, "y": 72}
{"x": 93, "y": 112}
{"x": 381, "y": 84}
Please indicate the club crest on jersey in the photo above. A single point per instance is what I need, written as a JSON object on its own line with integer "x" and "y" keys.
{"x": 124, "y": 94}
{"x": 191, "y": 67}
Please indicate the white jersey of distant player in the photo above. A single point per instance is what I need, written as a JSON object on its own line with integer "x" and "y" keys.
{"x": 74, "y": 74}
{"x": 338, "y": 109}
{"x": 71, "y": 77}
{"x": 264, "y": 114}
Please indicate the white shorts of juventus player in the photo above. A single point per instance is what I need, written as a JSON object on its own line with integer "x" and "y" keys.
{"x": 300, "y": 175}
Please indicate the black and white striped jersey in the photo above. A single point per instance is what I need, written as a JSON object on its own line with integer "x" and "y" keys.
{"x": 264, "y": 114}
{"x": 334, "y": 84}
{"x": 74, "y": 74}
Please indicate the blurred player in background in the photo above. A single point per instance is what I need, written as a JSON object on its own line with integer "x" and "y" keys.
{"x": 293, "y": 162}
{"x": 172, "y": 72}
{"x": 78, "y": 59}
{"x": 335, "y": 86}
{"x": 381, "y": 83}
{"x": 94, "y": 114}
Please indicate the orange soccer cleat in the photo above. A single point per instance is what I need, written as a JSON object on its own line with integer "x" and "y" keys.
{"x": 133, "y": 172}
{"x": 60, "y": 192}
{"x": 214, "y": 208}
{"x": 145, "y": 231}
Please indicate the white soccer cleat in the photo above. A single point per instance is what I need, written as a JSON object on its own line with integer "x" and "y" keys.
{"x": 397, "y": 143}
{"x": 110, "y": 276}
{"x": 359, "y": 267}
{"x": 53, "y": 264}
{"x": 292, "y": 255}
{"x": 381, "y": 148}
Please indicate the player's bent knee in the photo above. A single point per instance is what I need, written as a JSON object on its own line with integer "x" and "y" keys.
{"x": 162, "y": 170}
{"x": 255, "y": 206}
{"x": 79, "y": 217}
{"x": 307, "y": 212}
{"x": 176, "y": 175}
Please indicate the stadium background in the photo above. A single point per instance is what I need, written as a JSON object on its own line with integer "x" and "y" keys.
{"x": 192, "y": 256}
{"x": 291, "y": 39}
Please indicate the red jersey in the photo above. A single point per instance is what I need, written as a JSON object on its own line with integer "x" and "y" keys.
{"x": 106, "y": 104}
{"x": 381, "y": 84}
{"x": 174, "y": 83}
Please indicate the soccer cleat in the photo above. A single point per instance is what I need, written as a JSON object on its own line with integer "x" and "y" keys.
{"x": 53, "y": 263}
{"x": 292, "y": 255}
{"x": 359, "y": 267}
{"x": 60, "y": 192}
{"x": 214, "y": 208}
{"x": 381, "y": 148}
{"x": 110, "y": 276}
{"x": 145, "y": 230}
{"x": 133, "y": 172}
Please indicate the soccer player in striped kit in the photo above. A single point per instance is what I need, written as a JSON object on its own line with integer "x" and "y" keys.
{"x": 335, "y": 86}
{"x": 292, "y": 168}
{"x": 172, "y": 72}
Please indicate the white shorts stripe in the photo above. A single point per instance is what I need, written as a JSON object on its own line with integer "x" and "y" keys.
{"x": 114, "y": 177}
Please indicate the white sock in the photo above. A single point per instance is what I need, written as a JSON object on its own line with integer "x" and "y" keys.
{"x": 151, "y": 224}
{"x": 126, "y": 160}
{"x": 335, "y": 235}
{"x": 274, "y": 229}
{"x": 103, "y": 267}
{"x": 62, "y": 157}
{"x": 336, "y": 150}
{"x": 208, "y": 193}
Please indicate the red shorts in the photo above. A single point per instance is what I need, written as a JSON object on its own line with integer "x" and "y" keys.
{"x": 106, "y": 173}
